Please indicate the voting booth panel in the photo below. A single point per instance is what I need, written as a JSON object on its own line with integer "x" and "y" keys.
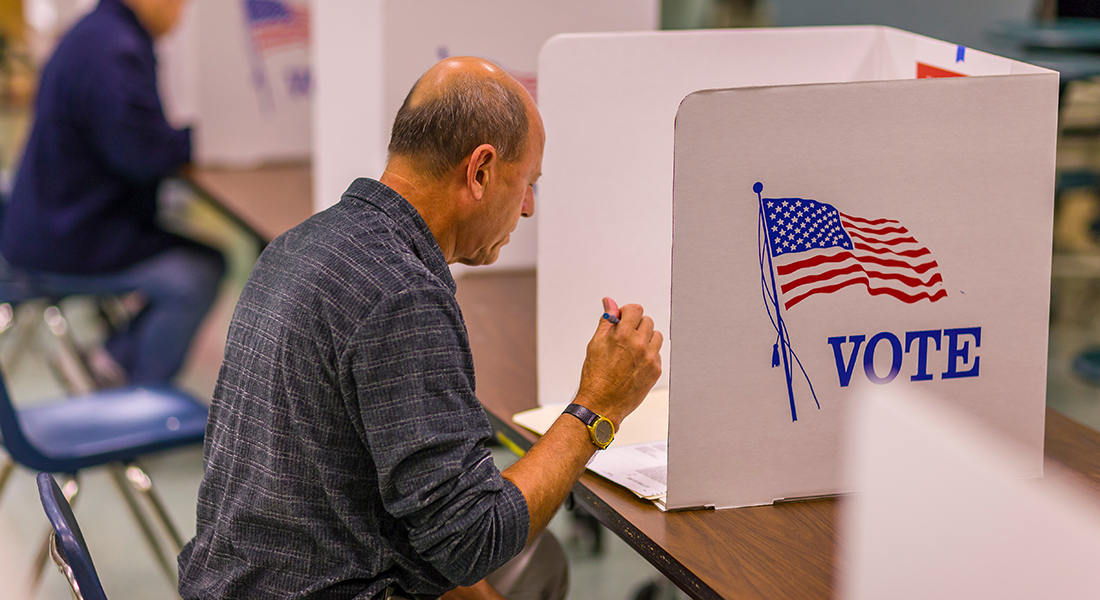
{"x": 942, "y": 513}
{"x": 942, "y": 190}
{"x": 609, "y": 102}
{"x": 369, "y": 53}
{"x": 899, "y": 236}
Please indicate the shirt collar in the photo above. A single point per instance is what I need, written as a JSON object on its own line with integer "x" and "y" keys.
{"x": 394, "y": 206}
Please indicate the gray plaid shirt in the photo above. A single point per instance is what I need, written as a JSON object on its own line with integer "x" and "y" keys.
{"x": 345, "y": 450}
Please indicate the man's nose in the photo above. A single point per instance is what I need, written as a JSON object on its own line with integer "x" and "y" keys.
{"x": 529, "y": 203}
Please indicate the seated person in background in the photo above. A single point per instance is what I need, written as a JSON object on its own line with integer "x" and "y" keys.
{"x": 82, "y": 215}
{"x": 345, "y": 453}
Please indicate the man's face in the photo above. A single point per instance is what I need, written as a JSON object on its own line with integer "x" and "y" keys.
{"x": 508, "y": 196}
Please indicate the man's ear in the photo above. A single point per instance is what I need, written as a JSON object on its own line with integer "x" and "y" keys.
{"x": 480, "y": 169}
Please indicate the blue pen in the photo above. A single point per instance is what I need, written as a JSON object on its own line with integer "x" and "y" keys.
{"x": 611, "y": 318}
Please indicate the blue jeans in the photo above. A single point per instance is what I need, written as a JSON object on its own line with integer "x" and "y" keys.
{"x": 179, "y": 286}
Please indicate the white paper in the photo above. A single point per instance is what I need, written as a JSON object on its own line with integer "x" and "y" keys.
{"x": 640, "y": 468}
{"x": 638, "y": 457}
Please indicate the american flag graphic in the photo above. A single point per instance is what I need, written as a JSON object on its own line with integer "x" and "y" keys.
{"x": 808, "y": 247}
{"x": 818, "y": 250}
{"x": 274, "y": 25}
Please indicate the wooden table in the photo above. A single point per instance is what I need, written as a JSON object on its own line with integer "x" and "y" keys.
{"x": 788, "y": 550}
{"x": 266, "y": 201}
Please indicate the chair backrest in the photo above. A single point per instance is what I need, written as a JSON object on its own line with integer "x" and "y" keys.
{"x": 71, "y": 552}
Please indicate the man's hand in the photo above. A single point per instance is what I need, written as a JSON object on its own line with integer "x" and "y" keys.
{"x": 622, "y": 364}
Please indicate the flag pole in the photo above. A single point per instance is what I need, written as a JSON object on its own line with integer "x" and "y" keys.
{"x": 781, "y": 326}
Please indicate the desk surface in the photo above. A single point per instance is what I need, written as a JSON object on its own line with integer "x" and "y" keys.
{"x": 267, "y": 200}
{"x": 783, "y": 551}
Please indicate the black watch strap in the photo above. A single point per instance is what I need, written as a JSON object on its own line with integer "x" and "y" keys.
{"x": 586, "y": 416}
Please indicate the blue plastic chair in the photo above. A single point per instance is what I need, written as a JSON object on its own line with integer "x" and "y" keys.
{"x": 67, "y": 545}
{"x": 114, "y": 428}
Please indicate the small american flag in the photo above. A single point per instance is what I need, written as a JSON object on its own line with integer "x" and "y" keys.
{"x": 818, "y": 250}
{"x": 276, "y": 24}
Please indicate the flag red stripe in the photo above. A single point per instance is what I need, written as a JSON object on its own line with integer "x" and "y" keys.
{"x": 913, "y": 282}
{"x": 898, "y": 229}
{"x": 868, "y": 221}
{"x": 275, "y": 40}
{"x": 842, "y": 256}
{"x": 818, "y": 277}
{"x": 906, "y": 253}
{"x": 888, "y": 242}
{"x": 906, "y": 298}
{"x": 268, "y": 42}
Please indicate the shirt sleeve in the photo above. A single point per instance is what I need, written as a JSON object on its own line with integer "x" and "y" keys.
{"x": 127, "y": 120}
{"x": 426, "y": 433}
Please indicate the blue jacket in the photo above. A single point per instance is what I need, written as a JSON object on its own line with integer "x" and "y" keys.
{"x": 84, "y": 200}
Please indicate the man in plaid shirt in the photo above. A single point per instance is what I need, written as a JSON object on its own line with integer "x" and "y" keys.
{"x": 345, "y": 453}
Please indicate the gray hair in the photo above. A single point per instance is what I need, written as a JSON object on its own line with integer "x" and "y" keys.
{"x": 442, "y": 130}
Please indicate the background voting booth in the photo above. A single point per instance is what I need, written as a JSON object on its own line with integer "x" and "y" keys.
{"x": 369, "y": 53}
{"x": 239, "y": 71}
{"x": 929, "y": 200}
{"x": 254, "y": 81}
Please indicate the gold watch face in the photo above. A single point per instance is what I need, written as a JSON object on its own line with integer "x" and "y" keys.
{"x": 603, "y": 432}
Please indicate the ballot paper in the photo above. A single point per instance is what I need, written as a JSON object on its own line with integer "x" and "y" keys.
{"x": 640, "y": 468}
{"x": 637, "y": 459}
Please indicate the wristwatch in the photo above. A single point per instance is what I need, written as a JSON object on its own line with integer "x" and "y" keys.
{"x": 600, "y": 429}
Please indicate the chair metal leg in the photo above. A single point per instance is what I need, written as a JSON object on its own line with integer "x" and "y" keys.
{"x": 70, "y": 488}
{"x": 118, "y": 473}
{"x": 64, "y": 568}
{"x": 144, "y": 485}
{"x": 5, "y": 472}
{"x": 74, "y": 372}
{"x": 24, "y": 329}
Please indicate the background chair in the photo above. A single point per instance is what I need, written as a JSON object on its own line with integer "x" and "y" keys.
{"x": 113, "y": 428}
{"x": 67, "y": 546}
{"x": 32, "y": 321}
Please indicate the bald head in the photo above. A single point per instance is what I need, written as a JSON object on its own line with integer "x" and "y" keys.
{"x": 458, "y": 105}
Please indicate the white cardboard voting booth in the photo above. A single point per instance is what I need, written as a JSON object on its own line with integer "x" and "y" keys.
{"x": 953, "y": 175}
{"x": 369, "y": 53}
{"x": 941, "y": 513}
{"x": 239, "y": 71}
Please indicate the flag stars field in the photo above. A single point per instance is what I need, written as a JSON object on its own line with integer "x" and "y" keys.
{"x": 820, "y": 250}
